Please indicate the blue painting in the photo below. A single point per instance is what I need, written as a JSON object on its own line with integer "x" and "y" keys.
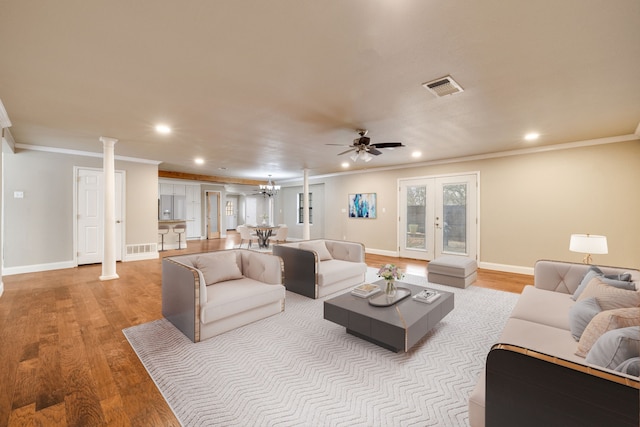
{"x": 362, "y": 205}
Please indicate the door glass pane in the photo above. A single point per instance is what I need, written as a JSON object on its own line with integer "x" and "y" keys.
{"x": 455, "y": 218}
{"x": 416, "y": 217}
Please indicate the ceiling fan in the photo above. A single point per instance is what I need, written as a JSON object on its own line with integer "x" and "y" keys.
{"x": 363, "y": 149}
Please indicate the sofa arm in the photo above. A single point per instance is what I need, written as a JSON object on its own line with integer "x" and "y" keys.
{"x": 527, "y": 388}
{"x": 346, "y": 251}
{"x": 181, "y": 297}
{"x": 300, "y": 270}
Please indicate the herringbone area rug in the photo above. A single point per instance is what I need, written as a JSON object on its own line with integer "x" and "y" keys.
{"x": 297, "y": 369}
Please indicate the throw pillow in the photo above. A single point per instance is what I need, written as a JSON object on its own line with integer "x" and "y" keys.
{"x": 580, "y": 314}
{"x": 319, "y": 247}
{"x": 618, "y": 280}
{"x": 630, "y": 367}
{"x": 218, "y": 267}
{"x": 606, "y": 321}
{"x": 614, "y": 347}
{"x": 610, "y": 297}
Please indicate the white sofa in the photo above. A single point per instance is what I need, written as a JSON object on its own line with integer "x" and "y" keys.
{"x": 316, "y": 268}
{"x": 207, "y": 294}
{"x": 535, "y": 377}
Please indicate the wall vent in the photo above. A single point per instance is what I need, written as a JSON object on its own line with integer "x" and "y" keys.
{"x": 142, "y": 249}
{"x": 443, "y": 86}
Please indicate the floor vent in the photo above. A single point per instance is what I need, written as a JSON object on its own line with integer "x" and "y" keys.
{"x": 443, "y": 86}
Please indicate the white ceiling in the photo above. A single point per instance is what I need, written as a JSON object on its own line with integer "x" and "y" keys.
{"x": 260, "y": 87}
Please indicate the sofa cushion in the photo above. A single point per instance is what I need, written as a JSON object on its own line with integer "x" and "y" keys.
{"x": 218, "y": 267}
{"x": 606, "y": 321}
{"x": 610, "y": 297}
{"x": 541, "y": 338}
{"x": 614, "y": 347}
{"x": 233, "y": 297}
{"x": 319, "y": 247}
{"x": 618, "y": 280}
{"x": 580, "y": 314}
{"x": 630, "y": 367}
{"x": 544, "y": 307}
{"x": 335, "y": 270}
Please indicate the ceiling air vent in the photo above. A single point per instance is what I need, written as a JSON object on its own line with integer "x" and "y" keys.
{"x": 443, "y": 86}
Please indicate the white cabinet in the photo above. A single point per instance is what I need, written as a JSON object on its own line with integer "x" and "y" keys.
{"x": 189, "y": 194}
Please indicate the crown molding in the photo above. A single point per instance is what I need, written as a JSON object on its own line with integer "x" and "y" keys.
{"x": 83, "y": 153}
{"x": 8, "y": 139}
{"x": 499, "y": 154}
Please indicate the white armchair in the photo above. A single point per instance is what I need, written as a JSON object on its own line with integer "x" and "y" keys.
{"x": 245, "y": 235}
{"x": 281, "y": 234}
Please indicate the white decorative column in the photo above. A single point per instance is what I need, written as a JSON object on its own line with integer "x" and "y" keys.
{"x": 306, "y": 231}
{"x": 109, "y": 239}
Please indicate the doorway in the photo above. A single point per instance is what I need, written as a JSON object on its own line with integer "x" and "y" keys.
{"x": 213, "y": 214}
{"x": 89, "y": 218}
{"x": 438, "y": 216}
{"x": 231, "y": 212}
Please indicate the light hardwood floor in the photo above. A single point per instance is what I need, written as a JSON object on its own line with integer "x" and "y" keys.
{"x": 64, "y": 359}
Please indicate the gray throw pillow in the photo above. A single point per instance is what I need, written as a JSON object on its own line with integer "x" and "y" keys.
{"x": 615, "y": 346}
{"x": 630, "y": 367}
{"x": 622, "y": 281}
{"x": 580, "y": 314}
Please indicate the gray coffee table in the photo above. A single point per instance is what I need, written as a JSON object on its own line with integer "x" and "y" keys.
{"x": 398, "y": 327}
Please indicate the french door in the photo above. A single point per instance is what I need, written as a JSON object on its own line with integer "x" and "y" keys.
{"x": 438, "y": 216}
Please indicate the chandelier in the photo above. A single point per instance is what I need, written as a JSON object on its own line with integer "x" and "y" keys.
{"x": 269, "y": 189}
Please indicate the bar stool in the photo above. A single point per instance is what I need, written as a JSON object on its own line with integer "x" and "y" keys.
{"x": 162, "y": 230}
{"x": 179, "y": 229}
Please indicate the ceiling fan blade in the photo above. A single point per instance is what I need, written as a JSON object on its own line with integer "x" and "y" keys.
{"x": 345, "y": 152}
{"x": 387, "y": 144}
{"x": 373, "y": 150}
{"x": 340, "y": 145}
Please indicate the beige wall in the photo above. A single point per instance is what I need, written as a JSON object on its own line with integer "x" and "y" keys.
{"x": 529, "y": 204}
{"x": 39, "y": 227}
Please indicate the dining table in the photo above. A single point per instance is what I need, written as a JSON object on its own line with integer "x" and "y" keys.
{"x": 263, "y": 231}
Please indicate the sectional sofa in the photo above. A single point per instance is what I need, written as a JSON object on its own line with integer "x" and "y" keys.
{"x": 568, "y": 354}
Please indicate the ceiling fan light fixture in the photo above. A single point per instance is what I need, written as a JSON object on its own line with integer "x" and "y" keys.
{"x": 366, "y": 157}
{"x": 354, "y": 156}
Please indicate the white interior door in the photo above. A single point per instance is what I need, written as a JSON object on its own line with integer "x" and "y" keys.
{"x": 90, "y": 215}
{"x": 438, "y": 216}
{"x": 231, "y": 212}
{"x": 213, "y": 215}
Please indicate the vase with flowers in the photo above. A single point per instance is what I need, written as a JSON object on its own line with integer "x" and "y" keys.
{"x": 390, "y": 273}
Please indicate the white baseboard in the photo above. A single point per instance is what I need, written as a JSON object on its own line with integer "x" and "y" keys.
{"x": 381, "y": 252}
{"x": 506, "y": 268}
{"x": 34, "y": 268}
{"x": 1, "y": 288}
{"x": 141, "y": 256}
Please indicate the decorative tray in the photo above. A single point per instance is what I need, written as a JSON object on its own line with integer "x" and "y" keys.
{"x": 383, "y": 300}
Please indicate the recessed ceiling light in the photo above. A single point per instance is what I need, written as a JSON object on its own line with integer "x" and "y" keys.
{"x": 532, "y": 136}
{"x": 345, "y": 164}
{"x": 199, "y": 160}
{"x": 164, "y": 129}
{"x": 416, "y": 154}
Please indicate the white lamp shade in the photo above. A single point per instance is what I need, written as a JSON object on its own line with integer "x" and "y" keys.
{"x": 588, "y": 244}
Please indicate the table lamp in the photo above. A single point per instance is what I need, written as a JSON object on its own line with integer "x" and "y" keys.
{"x": 588, "y": 244}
